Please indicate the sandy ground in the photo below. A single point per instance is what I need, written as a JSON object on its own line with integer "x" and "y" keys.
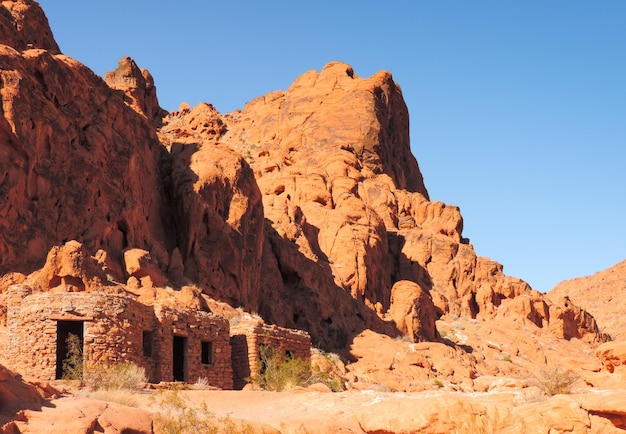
{"x": 354, "y": 411}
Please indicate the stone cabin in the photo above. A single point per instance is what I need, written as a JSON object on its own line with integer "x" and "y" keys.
{"x": 248, "y": 338}
{"x": 172, "y": 344}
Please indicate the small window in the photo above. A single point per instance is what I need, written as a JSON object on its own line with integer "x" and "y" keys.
{"x": 147, "y": 343}
{"x": 207, "y": 353}
{"x": 289, "y": 355}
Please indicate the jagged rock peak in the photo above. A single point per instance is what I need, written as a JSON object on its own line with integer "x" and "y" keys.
{"x": 329, "y": 113}
{"x": 138, "y": 86}
{"x": 23, "y": 25}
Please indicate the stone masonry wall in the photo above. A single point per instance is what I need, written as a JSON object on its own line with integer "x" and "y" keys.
{"x": 112, "y": 329}
{"x": 195, "y": 326}
{"x": 118, "y": 328}
{"x": 246, "y": 339}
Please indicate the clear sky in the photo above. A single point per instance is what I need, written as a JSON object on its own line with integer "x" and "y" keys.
{"x": 518, "y": 109}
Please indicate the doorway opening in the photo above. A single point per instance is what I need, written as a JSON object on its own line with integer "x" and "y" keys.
{"x": 180, "y": 358}
{"x": 69, "y": 350}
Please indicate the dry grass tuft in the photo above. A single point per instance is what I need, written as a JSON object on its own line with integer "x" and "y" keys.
{"x": 555, "y": 381}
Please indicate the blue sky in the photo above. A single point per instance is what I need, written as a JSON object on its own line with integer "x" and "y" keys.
{"x": 518, "y": 109}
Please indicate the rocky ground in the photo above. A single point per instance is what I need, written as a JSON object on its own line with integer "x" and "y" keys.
{"x": 506, "y": 408}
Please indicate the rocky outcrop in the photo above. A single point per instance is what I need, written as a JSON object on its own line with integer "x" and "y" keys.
{"x": 413, "y": 312}
{"x": 217, "y": 207}
{"x": 346, "y": 213}
{"x": 73, "y": 414}
{"x": 570, "y": 321}
{"x": 600, "y": 295}
{"x": 23, "y": 25}
{"x": 68, "y": 268}
{"x": 612, "y": 355}
{"x": 77, "y": 161}
{"x": 379, "y": 361}
{"x": 16, "y": 394}
{"x": 137, "y": 86}
{"x": 307, "y": 206}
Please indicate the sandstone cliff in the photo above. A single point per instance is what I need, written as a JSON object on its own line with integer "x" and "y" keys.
{"x": 77, "y": 162}
{"x": 307, "y": 206}
{"x": 348, "y": 220}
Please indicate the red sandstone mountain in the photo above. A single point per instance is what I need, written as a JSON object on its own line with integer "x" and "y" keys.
{"x": 602, "y": 295}
{"x": 347, "y": 217}
{"x": 306, "y": 207}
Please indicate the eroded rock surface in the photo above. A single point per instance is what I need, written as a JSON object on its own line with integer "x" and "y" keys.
{"x": 76, "y": 161}
{"x": 347, "y": 215}
{"x": 601, "y": 295}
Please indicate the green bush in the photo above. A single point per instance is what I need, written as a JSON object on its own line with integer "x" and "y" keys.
{"x": 278, "y": 371}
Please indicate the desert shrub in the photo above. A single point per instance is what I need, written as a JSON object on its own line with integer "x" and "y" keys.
{"x": 73, "y": 362}
{"x": 123, "y": 397}
{"x": 279, "y": 371}
{"x": 555, "y": 381}
{"x": 115, "y": 376}
{"x": 115, "y": 382}
{"x": 329, "y": 373}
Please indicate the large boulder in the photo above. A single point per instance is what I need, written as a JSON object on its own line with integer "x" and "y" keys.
{"x": 613, "y": 356}
{"x": 413, "y": 312}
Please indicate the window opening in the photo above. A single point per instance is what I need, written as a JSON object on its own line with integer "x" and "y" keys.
{"x": 207, "y": 353}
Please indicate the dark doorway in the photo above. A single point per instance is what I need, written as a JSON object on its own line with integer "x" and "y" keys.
{"x": 180, "y": 358}
{"x": 69, "y": 350}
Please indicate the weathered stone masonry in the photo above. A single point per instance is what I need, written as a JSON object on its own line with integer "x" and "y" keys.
{"x": 246, "y": 339}
{"x": 172, "y": 344}
{"x": 115, "y": 328}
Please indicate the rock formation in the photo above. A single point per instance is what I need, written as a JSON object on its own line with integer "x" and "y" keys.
{"x": 76, "y": 161}
{"x": 601, "y": 295}
{"x": 137, "y": 85}
{"x": 307, "y": 210}
{"x": 17, "y": 394}
{"x": 347, "y": 215}
{"x": 23, "y": 25}
{"x": 307, "y": 206}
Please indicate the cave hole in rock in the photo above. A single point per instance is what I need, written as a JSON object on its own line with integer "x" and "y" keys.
{"x": 122, "y": 226}
{"x": 473, "y": 305}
